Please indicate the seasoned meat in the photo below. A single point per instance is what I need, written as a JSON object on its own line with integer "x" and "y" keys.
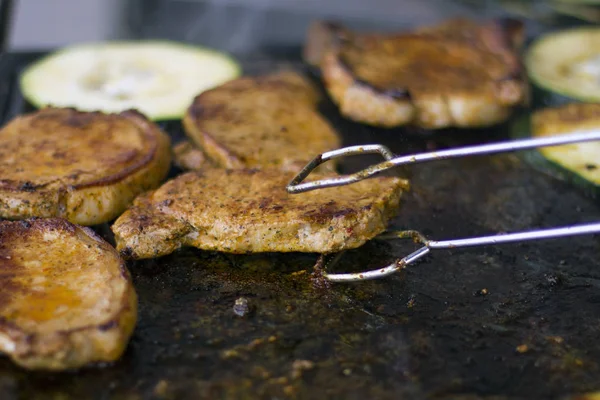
{"x": 458, "y": 73}
{"x": 260, "y": 122}
{"x": 86, "y": 167}
{"x": 67, "y": 299}
{"x": 188, "y": 156}
{"x": 246, "y": 211}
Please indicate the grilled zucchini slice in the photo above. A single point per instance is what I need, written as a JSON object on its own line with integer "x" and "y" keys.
{"x": 565, "y": 65}
{"x": 157, "y": 78}
{"x": 579, "y": 163}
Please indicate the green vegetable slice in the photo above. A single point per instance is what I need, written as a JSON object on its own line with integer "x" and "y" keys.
{"x": 158, "y": 78}
{"x": 567, "y": 63}
{"x": 579, "y": 163}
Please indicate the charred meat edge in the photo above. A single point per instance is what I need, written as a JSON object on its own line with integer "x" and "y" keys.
{"x": 325, "y": 40}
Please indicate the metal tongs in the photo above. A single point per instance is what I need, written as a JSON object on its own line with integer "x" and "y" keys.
{"x": 392, "y": 161}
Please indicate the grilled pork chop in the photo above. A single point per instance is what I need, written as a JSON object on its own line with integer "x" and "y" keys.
{"x": 86, "y": 167}
{"x": 67, "y": 299}
{"x": 246, "y": 211}
{"x": 259, "y": 122}
{"x": 458, "y": 73}
{"x": 187, "y": 156}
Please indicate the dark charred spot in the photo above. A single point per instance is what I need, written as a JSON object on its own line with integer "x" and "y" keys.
{"x": 317, "y": 277}
{"x": 394, "y": 93}
{"x": 107, "y": 326}
{"x": 328, "y": 211}
{"x": 25, "y": 224}
{"x": 264, "y": 202}
{"x": 127, "y": 253}
{"x": 28, "y": 187}
{"x": 397, "y": 93}
{"x": 142, "y": 220}
{"x": 591, "y": 167}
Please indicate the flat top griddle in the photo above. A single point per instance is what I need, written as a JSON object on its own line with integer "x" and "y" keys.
{"x": 513, "y": 321}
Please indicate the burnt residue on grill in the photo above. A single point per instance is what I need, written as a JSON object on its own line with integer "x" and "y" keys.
{"x": 502, "y": 322}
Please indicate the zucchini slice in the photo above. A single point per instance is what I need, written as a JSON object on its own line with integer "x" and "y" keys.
{"x": 577, "y": 164}
{"x": 567, "y": 64}
{"x": 157, "y": 78}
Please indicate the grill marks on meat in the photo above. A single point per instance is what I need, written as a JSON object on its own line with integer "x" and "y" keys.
{"x": 458, "y": 73}
{"x": 67, "y": 298}
{"x": 245, "y": 211}
{"x": 86, "y": 167}
{"x": 268, "y": 121}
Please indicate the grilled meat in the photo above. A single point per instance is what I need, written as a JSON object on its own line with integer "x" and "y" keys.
{"x": 245, "y": 211}
{"x": 458, "y": 73}
{"x": 187, "y": 156}
{"x": 260, "y": 122}
{"x": 86, "y": 167}
{"x": 67, "y": 299}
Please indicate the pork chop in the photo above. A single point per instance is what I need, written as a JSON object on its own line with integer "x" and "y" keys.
{"x": 458, "y": 73}
{"x": 188, "y": 156}
{"x": 86, "y": 167}
{"x": 250, "y": 211}
{"x": 268, "y": 121}
{"x": 67, "y": 299}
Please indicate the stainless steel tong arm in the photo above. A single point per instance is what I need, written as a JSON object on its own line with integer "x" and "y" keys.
{"x": 428, "y": 245}
{"x": 392, "y": 161}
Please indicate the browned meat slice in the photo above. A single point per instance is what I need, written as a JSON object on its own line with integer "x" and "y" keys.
{"x": 188, "y": 156}
{"x": 67, "y": 299}
{"x": 86, "y": 167}
{"x": 260, "y": 122}
{"x": 245, "y": 211}
{"x": 459, "y": 73}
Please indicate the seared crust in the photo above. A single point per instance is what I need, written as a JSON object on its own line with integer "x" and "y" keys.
{"x": 458, "y": 73}
{"x": 247, "y": 211}
{"x": 86, "y": 167}
{"x": 260, "y": 122}
{"x": 67, "y": 298}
